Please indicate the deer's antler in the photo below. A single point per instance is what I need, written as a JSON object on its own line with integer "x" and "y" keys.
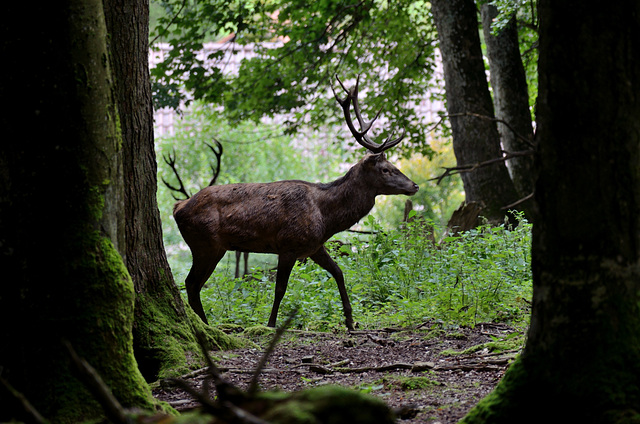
{"x": 171, "y": 161}
{"x": 361, "y": 135}
{"x": 217, "y": 151}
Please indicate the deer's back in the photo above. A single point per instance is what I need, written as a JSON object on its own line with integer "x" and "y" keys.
{"x": 256, "y": 217}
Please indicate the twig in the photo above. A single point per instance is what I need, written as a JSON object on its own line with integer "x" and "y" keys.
{"x": 226, "y": 390}
{"x": 472, "y": 167}
{"x": 229, "y": 397}
{"x": 112, "y": 408}
{"x": 517, "y": 202}
{"x": 201, "y": 397}
{"x": 34, "y": 415}
{"x": 253, "y": 386}
{"x": 491, "y": 118}
{"x": 415, "y": 367}
{"x": 166, "y": 28}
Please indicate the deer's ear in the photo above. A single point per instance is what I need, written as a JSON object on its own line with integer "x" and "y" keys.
{"x": 373, "y": 158}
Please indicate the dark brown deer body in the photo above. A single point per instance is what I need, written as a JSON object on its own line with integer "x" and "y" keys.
{"x": 292, "y": 219}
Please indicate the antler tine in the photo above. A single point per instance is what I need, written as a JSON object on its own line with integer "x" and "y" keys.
{"x": 365, "y": 126}
{"x": 361, "y": 136}
{"x": 388, "y": 143}
{"x": 346, "y": 106}
{"x": 218, "y": 155}
{"x": 171, "y": 161}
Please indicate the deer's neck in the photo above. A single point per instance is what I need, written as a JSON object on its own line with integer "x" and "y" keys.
{"x": 346, "y": 201}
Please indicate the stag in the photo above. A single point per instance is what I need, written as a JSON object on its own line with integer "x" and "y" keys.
{"x": 292, "y": 219}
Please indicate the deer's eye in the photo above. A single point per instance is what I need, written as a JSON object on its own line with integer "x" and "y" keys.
{"x": 386, "y": 171}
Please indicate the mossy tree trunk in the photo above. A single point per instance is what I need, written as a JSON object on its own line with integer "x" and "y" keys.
{"x": 475, "y": 139}
{"x": 581, "y": 362}
{"x": 61, "y": 191}
{"x": 164, "y": 340}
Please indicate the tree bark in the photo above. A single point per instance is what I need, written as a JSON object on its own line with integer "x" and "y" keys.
{"x": 163, "y": 332}
{"x": 510, "y": 99}
{"x": 474, "y": 139}
{"x": 60, "y": 190}
{"x": 581, "y": 362}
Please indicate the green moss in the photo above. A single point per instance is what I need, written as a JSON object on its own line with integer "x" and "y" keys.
{"x": 166, "y": 345}
{"x": 508, "y": 344}
{"x": 97, "y": 321}
{"x": 504, "y": 401}
{"x": 193, "y": 417}
{"x": 411, "y": 383}
{"x": 318, "y": 405}
{"x": 258, "y": 330}
{"x": 434, "y": 333}
{"x": 521, "y": 389}
{"x": 329, "y": 404}
{"x": 231, "y": 328}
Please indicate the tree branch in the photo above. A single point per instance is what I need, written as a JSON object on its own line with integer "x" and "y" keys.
{"x": 472, "y": 167}
{"x": 502, "y": 121}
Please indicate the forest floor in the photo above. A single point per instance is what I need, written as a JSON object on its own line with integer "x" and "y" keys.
{"x": 428, "y": 375}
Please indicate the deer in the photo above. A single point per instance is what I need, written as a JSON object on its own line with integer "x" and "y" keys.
{"x": 290, "y": 218}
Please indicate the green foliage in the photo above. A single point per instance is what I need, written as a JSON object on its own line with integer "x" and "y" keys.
{"x": 395, "y": 277}
{"x": 312, "y": 42}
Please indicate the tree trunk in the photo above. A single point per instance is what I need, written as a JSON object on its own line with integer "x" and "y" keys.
{"x": 475, "y": 139}
{"x": 511, "y": 100}
{"x": 581, "y": 362}
{"x": 163, "y": 333}
{"x": 60, "y": 190}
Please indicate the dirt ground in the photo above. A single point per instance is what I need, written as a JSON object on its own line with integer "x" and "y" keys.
{"x": 413, "y": 371}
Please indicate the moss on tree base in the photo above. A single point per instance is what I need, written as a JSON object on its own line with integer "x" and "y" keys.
{"x": 522, "y": 397}
{"x": 165, "y": 342}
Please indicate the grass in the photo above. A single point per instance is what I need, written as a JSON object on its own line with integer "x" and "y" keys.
{"x": 394, "y": 278}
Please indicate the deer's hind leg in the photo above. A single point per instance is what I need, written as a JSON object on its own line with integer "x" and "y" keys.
{"x": 322, "y": 258}
{"x": 203, "y": 265}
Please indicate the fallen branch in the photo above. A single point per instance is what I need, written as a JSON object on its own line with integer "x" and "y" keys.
{"x": 415, "y": 367}
{"x": 469, "y": 367}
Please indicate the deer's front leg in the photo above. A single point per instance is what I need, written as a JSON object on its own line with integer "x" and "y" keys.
{"x": 285, "y": 265}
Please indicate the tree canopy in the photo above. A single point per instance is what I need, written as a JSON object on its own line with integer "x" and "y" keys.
{"x": 309, "y": 43}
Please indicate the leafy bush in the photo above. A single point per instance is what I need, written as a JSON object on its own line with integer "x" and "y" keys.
{"x": 396, "y": 277}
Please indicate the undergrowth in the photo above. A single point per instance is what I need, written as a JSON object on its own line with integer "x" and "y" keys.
{"x": 394, "y": 278}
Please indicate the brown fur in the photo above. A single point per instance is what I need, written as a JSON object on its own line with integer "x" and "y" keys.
{"x": 290, "y": 218}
